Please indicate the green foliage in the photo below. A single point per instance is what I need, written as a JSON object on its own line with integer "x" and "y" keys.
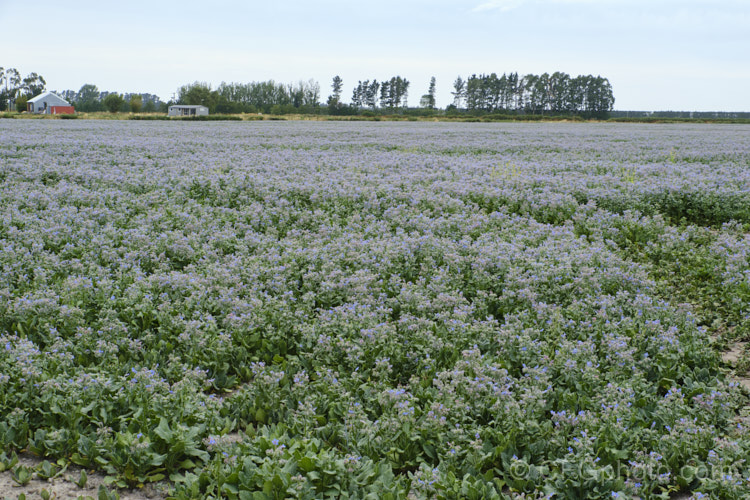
{"x": 203, "y": 118}
{"x": 558, "y": 93}
{"x": 46, "y": 470}
{"x": 34, "y": 84}
{"x": 272, "y": 464}
{"x": 334, "y": 100}
{"x": 21, "y": 475}
{"x": 87, "y": 99}
{"x": 113, "y": 102}
{"x": 82, "y": 479}
{"x": 149, "y": 117}
{"x": 13, "y": 87}
{"x": 428, "y": 100}
{"x": 198, "y": 93}
{"x": 21, "y": 103}
{"x": 136, "y": 104}
{"x": 8, "y": 462}
{"x": 105, "y": 494}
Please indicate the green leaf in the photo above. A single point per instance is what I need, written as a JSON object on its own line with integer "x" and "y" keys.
{"x": 88, "y": 408}
{"x": 163, "y": 430}
{"x": 77, "y": 459}
{"x": 82, "y": 479}
{"x": 618, "y": 454}
{"x": 230, "y": 488}
{"x": 195, "y": 452}
{"x": 186, "y": 464}
{"x": 268, "y": 488}
{"x": 260, "y": 416}
{"x": 104, "y": 494}
{"x": 157, "y": 459}
{"x": 306, "y": 464}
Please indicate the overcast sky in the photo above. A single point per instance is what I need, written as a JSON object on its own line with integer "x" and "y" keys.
{"x": 658, "y": 54}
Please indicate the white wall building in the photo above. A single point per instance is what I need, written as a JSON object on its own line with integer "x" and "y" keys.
{"x": 187, "y": 110}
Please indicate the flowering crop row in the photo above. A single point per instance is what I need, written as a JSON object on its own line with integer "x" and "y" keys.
{"x": 332, "y": 309}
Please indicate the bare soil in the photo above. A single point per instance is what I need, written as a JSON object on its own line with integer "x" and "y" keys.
{"x": 732, "y": 357}
{"x": 63, "y": 487}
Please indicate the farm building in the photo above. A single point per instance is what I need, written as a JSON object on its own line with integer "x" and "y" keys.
{"x": 49, "y": 103}
{"x": 187, "y": 110}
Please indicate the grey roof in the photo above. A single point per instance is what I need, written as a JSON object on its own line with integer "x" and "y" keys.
{"x": 44, "y": 95}
{"x": 187, "y": 106}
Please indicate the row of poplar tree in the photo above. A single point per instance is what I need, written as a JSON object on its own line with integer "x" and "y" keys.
{"x": 557, "y": 93}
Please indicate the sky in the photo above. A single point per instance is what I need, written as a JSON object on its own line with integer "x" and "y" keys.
{"x": 687, "y": 55}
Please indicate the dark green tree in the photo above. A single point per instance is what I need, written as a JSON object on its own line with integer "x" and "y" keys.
{"x": 198, "y": 93}
{"x": 359, "y": 93}
{"x": 33, "y": 84}
{"x": 584, "y": 95}
{"x": 459, "y": 92}
{"x": 87, "y": 99}
{"x": 310, "y": 91}
{"x": 534, "y": 90}
{"x": 385, "y": 93}
{"x": 334, "y": 100}
{"x": 136, "y": 103}
{"x": 4, "y": 95}
{"x": 473, "y": 93}
{"x": 428, "y": 100}
{"x": 21, "y": 103}
{"x": 371, "y": 94}
{"x": 396, "y": 93}
{"x": 559, "y": 84}
{"x": 113, "y": 102}
{"x": 10, "y": 84}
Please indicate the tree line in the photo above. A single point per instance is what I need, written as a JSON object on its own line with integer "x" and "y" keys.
{"x": 17, "y": 90}
{"x": 90, "y": 99}
{"x": 392, "y": 93}
{"x": 557, "y": 93}
{"x": 253, "y": 97}
{"x": 301, "y": 97}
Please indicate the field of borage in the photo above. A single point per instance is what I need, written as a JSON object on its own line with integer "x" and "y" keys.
{"x": 377, "y": 310}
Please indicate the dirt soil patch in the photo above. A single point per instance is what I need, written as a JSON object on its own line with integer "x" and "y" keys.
{"x": 732, "y": 357}
{"x": 64, "y": 487}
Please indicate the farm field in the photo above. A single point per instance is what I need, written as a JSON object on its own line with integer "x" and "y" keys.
{"x": 269, "y": 310}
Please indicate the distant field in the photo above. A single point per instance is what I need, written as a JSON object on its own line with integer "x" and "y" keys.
{"x": 268, "y": 310}
{"x": 414, "y": 115}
